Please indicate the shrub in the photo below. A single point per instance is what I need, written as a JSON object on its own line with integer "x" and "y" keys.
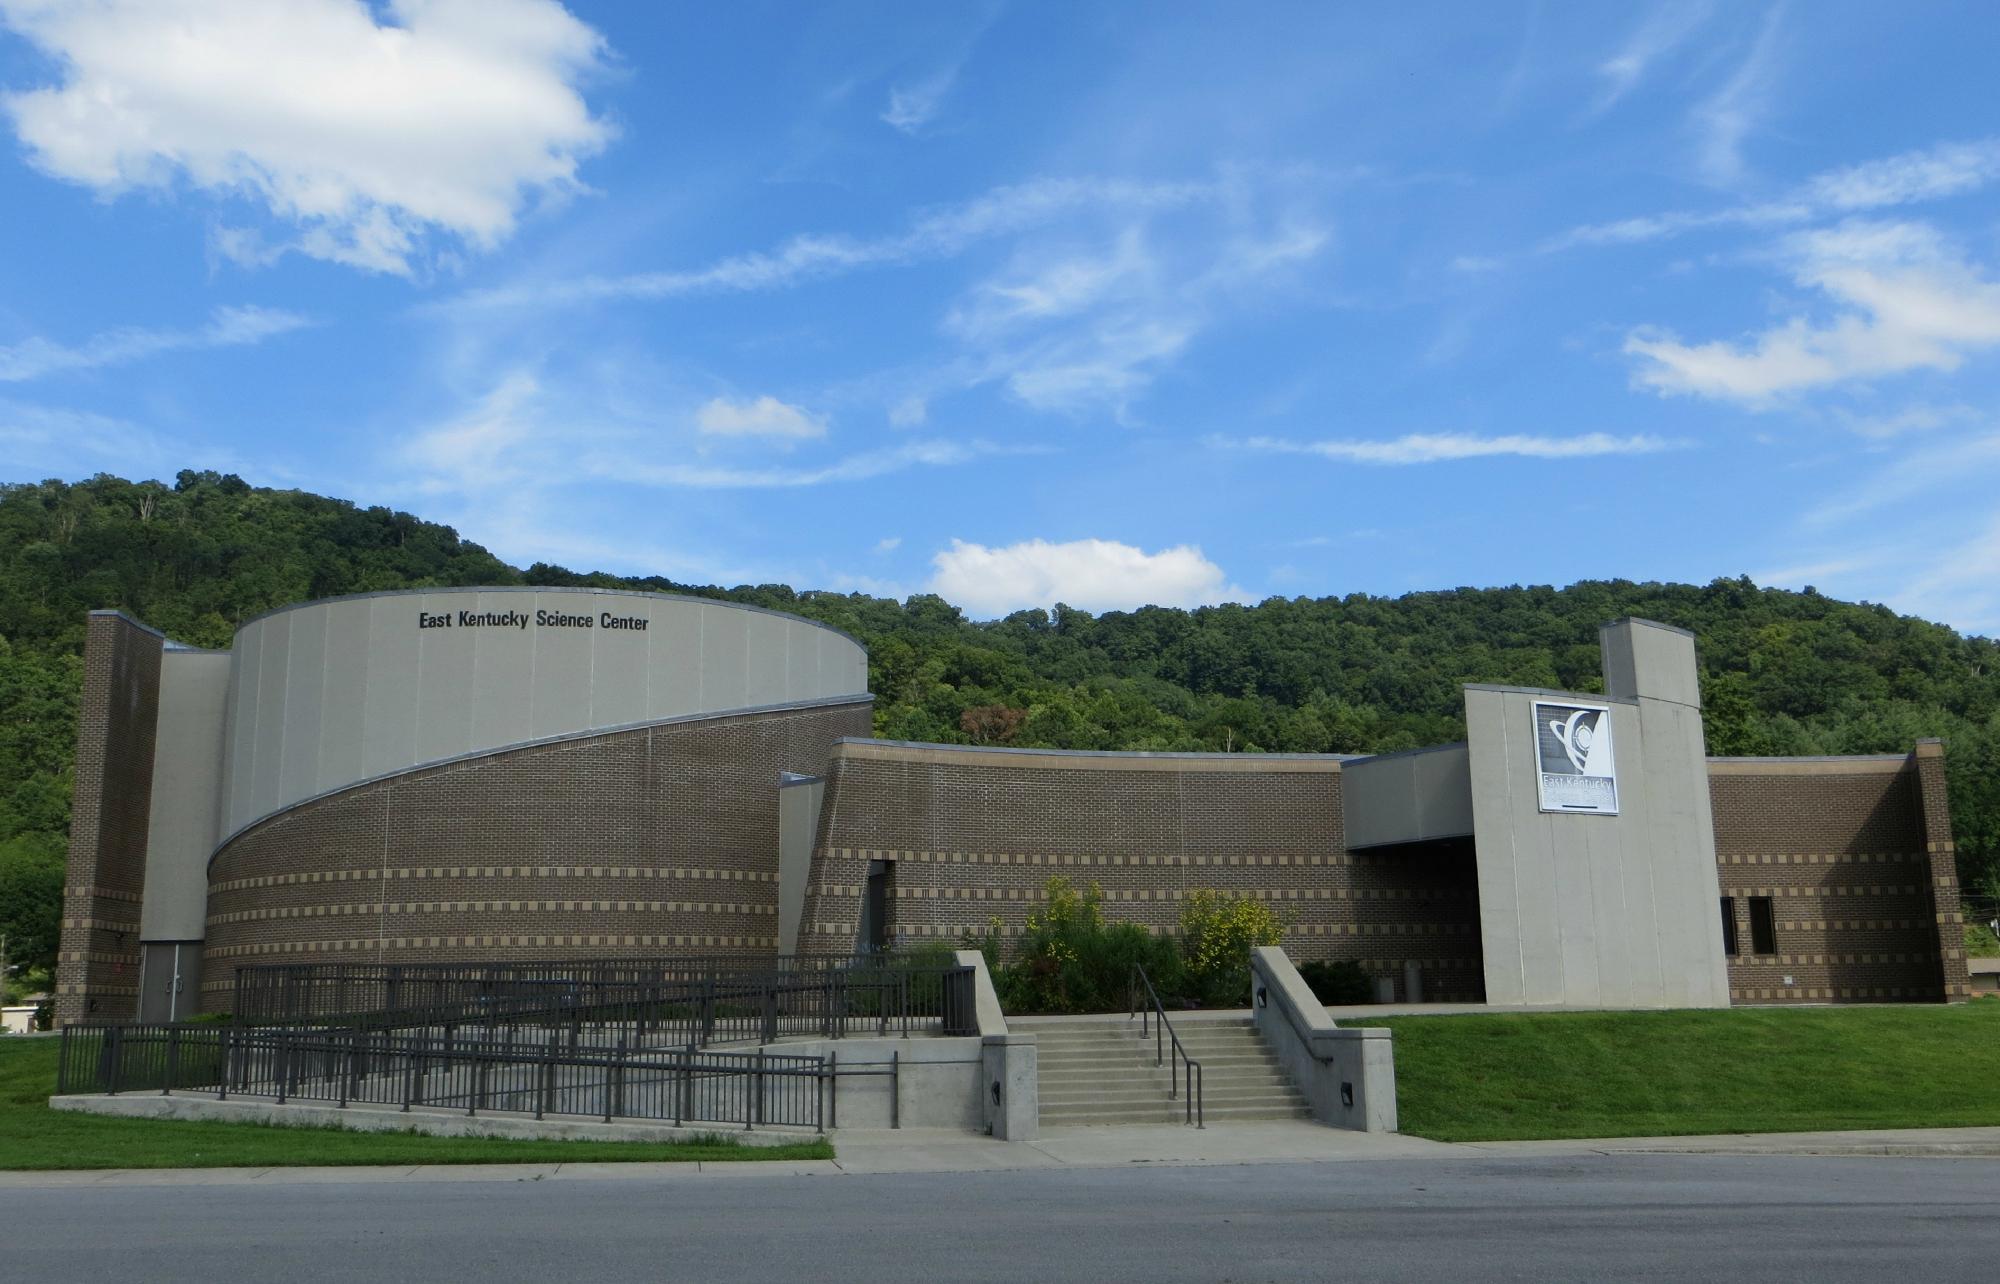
{"x": 1337, "y": 982}
{"x": 1217, "y": 933}
{"x": 1071, "y": 960}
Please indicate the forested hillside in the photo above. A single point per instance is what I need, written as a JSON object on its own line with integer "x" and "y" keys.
{"x": 1783, "y": 673}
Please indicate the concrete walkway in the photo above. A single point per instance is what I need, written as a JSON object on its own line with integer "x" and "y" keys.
{"x": 920, "y": 1150}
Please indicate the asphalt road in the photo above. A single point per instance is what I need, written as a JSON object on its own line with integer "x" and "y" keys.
{"x": 1654, "y": 1217}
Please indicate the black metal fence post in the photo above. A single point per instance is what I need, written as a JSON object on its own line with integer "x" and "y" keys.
{"x": 114, "y": 1039}
{"x": 173, "y": 1060}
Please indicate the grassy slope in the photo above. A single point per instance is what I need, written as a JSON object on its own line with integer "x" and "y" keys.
{"x": 33, "y": 1136}
{"x": 1631, "y": 1074}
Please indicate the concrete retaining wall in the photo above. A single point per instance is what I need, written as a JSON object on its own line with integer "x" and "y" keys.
{"x": 1348, "y": 1076}
{"x": 427, "y": 1120}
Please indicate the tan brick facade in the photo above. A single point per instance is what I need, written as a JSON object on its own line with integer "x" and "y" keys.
{"x": 975, "y": 835}
{"x": 660, "y": 840}
{"x": 1863, "y": 894}
{"x": 97, "y": 963}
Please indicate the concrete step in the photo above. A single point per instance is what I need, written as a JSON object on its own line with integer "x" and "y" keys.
{"x": 1169, "y": 1113}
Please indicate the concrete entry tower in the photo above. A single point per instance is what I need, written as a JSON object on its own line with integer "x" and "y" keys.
{"x": 1596, "y": 844}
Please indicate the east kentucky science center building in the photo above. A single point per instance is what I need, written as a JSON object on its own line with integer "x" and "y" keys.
{"x": 487, "y": 775}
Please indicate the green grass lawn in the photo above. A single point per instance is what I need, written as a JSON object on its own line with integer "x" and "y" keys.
{"x": 1491, "y": 1077}
{"x": 34, "y": 1136}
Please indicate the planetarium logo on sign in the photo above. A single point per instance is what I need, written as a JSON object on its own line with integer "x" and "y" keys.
{"x": 1573, "y": 757}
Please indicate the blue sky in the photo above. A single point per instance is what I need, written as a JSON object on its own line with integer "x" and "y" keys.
{"x": 1023, "y": 303}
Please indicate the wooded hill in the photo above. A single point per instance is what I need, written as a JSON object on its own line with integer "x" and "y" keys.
{"x": 1782, "y": 672}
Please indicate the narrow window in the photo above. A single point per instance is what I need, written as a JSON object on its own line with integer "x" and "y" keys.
{"x": 1729, "y": 926}
{"x": 1763, "y": 926}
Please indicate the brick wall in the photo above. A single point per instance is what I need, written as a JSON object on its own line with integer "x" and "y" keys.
{"x": 1844, "y": 849}
{"x": 660, "y": 840}
{"x": 97, "y": 962}
{"x": 975, "y": 836}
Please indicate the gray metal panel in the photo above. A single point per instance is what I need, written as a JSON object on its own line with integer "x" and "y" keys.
{"x": 187, "y": 793}
{"x": 503, "y": 669}
{"x": 389, "y": 729}
{"x": 1407, "y": 797}
{"x": 765, "y": 660}
{"x": 674, "y": 655}
{"x": 563, "y": 660}
{"x": 445, "y": 664}
{"x": 343, "y": 694}
{"x": 273, "y": 685}
{"x": 799, "y": 802}
{"x": 725, "y": 646}
{"x": 240, "y": 743}
{"x": 620, "y": 671}
{"x": 305, "y": 681}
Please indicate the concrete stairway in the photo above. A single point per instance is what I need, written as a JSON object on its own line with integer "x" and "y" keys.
{"x": 1101, "y": 1072}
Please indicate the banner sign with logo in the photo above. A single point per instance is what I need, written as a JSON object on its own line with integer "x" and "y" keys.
{"x": 1573, "y": 758}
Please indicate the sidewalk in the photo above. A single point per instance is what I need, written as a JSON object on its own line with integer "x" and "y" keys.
{"x": 920, "y": 1150}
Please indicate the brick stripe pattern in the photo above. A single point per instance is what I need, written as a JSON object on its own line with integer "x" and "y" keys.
{"x": 974, "y": 838}
{"x": 97, "y": 959}
{"x": 637, "y": 843}
{"x": 1855, "y": 879}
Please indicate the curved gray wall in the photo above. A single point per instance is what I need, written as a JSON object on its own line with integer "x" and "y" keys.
{"x": 329, "y": 694}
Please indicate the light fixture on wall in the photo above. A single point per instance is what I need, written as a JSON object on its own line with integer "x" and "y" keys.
{"x": 1263, "y": 997}
{"x": 1347, "y": 1094}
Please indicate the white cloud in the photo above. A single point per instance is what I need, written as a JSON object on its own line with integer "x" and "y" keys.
{"x": 764, "y": 417}
{"x": 934, "y": 234}
{"x": 1431, "y": 448}
{"x": 911, "y": 107}
{"x": 1094, "y": 574}
{"x": 1947, "y": 169}
{"x": 227, "y": 327}
{"x": 888, "y": 543}
{"x": 1906, "y": 301}
{"x": 364, "y": 134}
{"x": 910, "y": 412}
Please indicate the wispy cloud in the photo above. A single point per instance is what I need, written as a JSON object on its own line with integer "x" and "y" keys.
{"x": 913, "y": 106}
{"x": 362, "y": 128}
{"x": 1090, "y": 331}
{"x": 938, "y": 233}
{"x": 227, "y": 328}
{"x": 1726, "y": 118}
{"x": 1663, "y": 31}
{"x": 1908, "y": 301}
{"x": 1928, "y": 174}
{"x": 52, "y": 440}
{"x": 634, "y": 467}
{"x": 1433, "y": 448}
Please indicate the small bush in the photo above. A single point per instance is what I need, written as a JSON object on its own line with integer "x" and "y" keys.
{"x": 1337, "y": 982}
{"x": 1218, "y": 932}
{"x": 1071, "y": 960}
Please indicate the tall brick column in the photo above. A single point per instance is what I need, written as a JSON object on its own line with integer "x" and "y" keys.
{"x": 1942, "y": 852}
{"x": 97, "y": 962}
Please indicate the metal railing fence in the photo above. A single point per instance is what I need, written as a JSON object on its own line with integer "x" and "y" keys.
{"x": 697, "y": 1001}
{"x": 519, "y": 1069}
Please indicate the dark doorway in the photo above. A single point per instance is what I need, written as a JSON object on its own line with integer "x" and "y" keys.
{"x": 875, "y": 908}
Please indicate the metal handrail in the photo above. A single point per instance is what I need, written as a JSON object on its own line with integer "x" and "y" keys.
{"x": 1183, "y": 1063}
